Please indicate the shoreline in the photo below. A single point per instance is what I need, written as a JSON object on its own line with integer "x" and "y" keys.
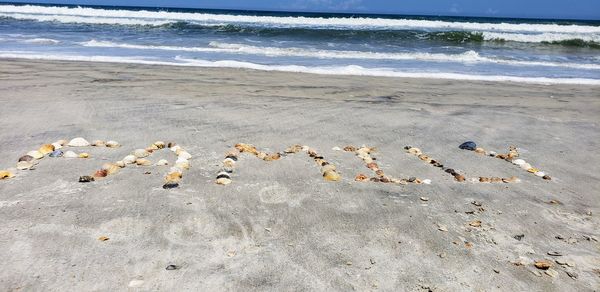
{"x": 279, "y": 225}
{"x": 351, "y": 71}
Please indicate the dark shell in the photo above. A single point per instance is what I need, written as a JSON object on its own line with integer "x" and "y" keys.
{"x": 223, "y": 176}
{"x": 56, "y": 153}
{"x": 26, "y": 158}
{"x": 450, "y": 171}
{"x": 171, "y": 144}
{"x": 469, "y": 145}
{"x": 85, "y": 179}
{"x": 547, "y": 177}
{"x": 170, "y": 185}
{"x": 232, "y": 157}
{"x": 412, "y": 179}
{"x": 172, "y": 267}
{"x": 407, "y": 147}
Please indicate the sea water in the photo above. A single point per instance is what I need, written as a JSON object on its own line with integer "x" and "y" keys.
{"x": 520, "y": 50}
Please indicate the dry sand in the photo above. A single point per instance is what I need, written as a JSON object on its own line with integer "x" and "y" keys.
{"x": 279, "y": 225}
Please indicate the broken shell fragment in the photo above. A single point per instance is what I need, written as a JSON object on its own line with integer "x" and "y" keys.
{"x": 159, "y": 144}
{"x": 24, "y": 165}
{"x": 349, "y": 148}
{"x": 510, "y": 179}
{"x": 4, "y": 174}
{"x": 70, "y": 154}
{"x": 56, "y": 153}
{"x": 78, "y": 142}
{"x": 85, "y": 179}
{"x": 543, "y": 264}
{"x": 35, "y": 154}
{"x": 228, "y": 162}
{"x": 46, "y": 148}
{"x": 140, "y": 153}
{"x": 424, "y": 157}
{"x": 112, "y": 144}
{"x": 162, "y": 162}
{"x": 361, "y": 177}
{"x": 83, "y": 155}
{"x": 427, "y": 181}
{"x": 532, "y": 170}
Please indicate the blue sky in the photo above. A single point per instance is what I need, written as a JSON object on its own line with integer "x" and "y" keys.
{"x": 575, "y": 9}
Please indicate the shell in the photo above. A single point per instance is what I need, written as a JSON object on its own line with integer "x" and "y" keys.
{"x": 368, "y": 160}
{"x": 152, "y": 148}
{"x": 170, "y": 185}
{"x": 162, "y": 162}
{"x": 349, "y": 148}
{"x": 175, "y": 148}
{"x": 496, "y": 179}
{"x": 540, "y": 173}
{"x": 492, "y": 153}
{"x": 469, "y": 145}
{"x": 518, "y": 161}
{"x": 414, "y": 150}
{"x": 78, "y": 142}
{"x": 100, "y": 173}
{"x": 56, "y": 153}
{"x": 98, "y": 143}
{"x": 361, "y": 177}
{"x": 272, "y": 157}
{"x": 173, "y": 177}
{"x": 83, "y": 155}
{"x": 184, "y": 155}
{"x": 112, "y": 144}
{"x": 26, "y": 158}
{"x": 120, "y": 164}
{"x": 86, "y": 178}
{"x": 24, "y": 165}
{"x": 159, "y": 144}
{"x": 111, "y": 168}
{"x": 228, "y": 162}
{"x": 328, "y": 167}
{"x": 143, "y": 162}
{"x": 4, "y": 174}
{"x": 336, "y": 148}
{"x": 331, "y": 175}
{"x": 479, "y": 150}
{"x": 525, "y": 166}
{"x": 70, "y": 154}
{"x": 532, "y": 170}
{"x": 424, "y": 157}
{"x": 459, "y": 177}
{"x": 129, "y": 159}
{"x": 46, "y": 148}
{"x": 183, "y": 165}
{"x": 140, "y": 153}
{"x": 223, "y": 181}
{"x": 484, "y": 179}
{"x": 35, "y": 154}
{"x": 56, "y": 146}
{"x": 427, "y": 181}
{"x": 547, "y": 177}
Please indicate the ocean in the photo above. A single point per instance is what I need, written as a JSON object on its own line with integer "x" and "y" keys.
{"x": 461, "y": 48}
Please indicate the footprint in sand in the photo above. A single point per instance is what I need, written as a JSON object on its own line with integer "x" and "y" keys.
{"x": 274, "y": 194}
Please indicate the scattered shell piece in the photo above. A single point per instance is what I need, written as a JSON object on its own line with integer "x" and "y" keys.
{"x": 175, "y": 148}
{"x": 159, "y": 144}
{"x": 103, "y": 238}
{"x": 24, "y": 165}
{"x": 4, "y": 174}
{"x": 78, "y": 142}
{"x": 129, "y": 159}
{"x": 476, "y": 223}
{"x": 361, "y": 177}
{"x": 83, "y": 155}
{"x": 140, "y": 153}
{"x": 35, "y": 154}
{"x": 70, "y": 154}
{"x": 183, "y": 164}
{"x": 424, "y": 199}
{"x": 46, "y": 148}
{"x": 162, "y": 162}
{"x": 170, "y": 185}
{"x": 547, "y": 177}
{"x": 112, "y": 144}
{"x": 479, "y": 150}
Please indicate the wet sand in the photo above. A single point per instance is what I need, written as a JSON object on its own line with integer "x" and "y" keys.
{"x": 279, "y": 225}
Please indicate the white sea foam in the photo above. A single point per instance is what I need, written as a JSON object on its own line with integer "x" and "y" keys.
{"x": 330, "y": 70}
{"x": 218, "y": 47}
{"x": 95, "y": 15}
{"x": 41, "y": 41}
{"x": 540, "y": 37}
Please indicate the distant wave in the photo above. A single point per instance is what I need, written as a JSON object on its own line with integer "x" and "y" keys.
{"x": 41, "y": 41}
{"x": 218, "y": 47}
{"x": 330, "y": 70}
{"x": 144, "y": 17}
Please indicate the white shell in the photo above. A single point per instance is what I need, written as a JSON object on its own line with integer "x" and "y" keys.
{"x": 140, "y": 153}
{"x": 427, "y": 181}
{"x": 120, "y": 163}
{"x": 35, "y": 154}
{"x": 129, "y": 159}
{"x": 23, "y": 165}
{"x": 181, "y": 160}
{"x": 175, "y": 148}
{"x": 540, "y": 173}
{"x": 70, "y": 154}
{"x": 184, "y": 155}
{"x": 518, "y": 161}
{"x": 336, "y": 148}
{"x": 56, "y": 146}
{"x": 162, "y": 162}
{"x": 305, "y": 148}
{"x": 492, "y": 153}
{"x": 223, "y": 181}
{"x": 525, "y": 166}
{"x": 112, "y": 144}
{"x": 78, "y": 142}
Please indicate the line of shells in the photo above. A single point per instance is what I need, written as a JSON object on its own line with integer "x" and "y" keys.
{"x": 140, "y": 157}
{"x": 364, "y": 153}
{"x": 328, "y": 170}
{"x": 457, "y": 176}
{"x": 55, "y": 150}
{"x": 512, "y": 157}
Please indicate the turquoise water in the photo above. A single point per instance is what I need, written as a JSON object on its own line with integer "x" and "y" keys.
{"x": 542, "y": 51}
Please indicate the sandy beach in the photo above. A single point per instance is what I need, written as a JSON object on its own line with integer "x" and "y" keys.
{"x": 279, "y": 225}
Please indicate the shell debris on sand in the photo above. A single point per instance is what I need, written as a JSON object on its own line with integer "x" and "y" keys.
{"x": 5, "y": 174}
{"x": 364, "y": 153}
